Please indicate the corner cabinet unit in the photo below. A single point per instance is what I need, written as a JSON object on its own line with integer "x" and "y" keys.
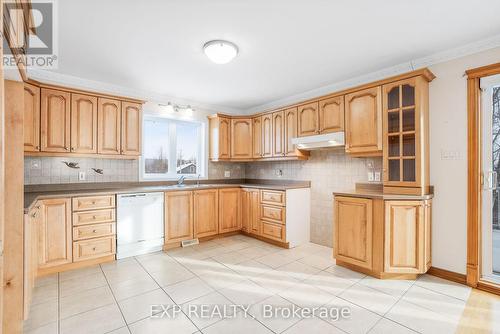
{"x": 383, "y": 238}
{"x": 406, "y": 136}
{"x": 65, "y": 122}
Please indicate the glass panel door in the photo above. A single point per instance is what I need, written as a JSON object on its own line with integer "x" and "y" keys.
{"x": 490, "y": 227}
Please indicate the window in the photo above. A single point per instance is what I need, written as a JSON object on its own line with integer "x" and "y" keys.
{"x": 172, "y": 148}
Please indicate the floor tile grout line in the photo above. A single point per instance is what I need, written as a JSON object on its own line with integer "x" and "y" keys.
{"x": 114, "y": 297}
{"x": 140, "y": 264}
{"x": 441, "y": 293}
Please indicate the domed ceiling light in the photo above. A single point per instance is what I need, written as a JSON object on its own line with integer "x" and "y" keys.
{"x": 219, "y": 51}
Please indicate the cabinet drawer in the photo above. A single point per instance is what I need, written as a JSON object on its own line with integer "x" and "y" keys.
{"x": 273, "y": 213}
{"x": 93, "y": 231}
{"x": 273, "y": 231}
{"x": 94, "y": 248}
{"x": 92, "y": 217}
{"x": 272, "y": 197}
{"x": 93, "y": 202}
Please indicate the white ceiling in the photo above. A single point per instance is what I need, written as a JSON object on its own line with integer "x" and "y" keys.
{"x": 286, "y": 47}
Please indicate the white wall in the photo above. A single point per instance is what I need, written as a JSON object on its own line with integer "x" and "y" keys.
{"x": 448, "y": 133}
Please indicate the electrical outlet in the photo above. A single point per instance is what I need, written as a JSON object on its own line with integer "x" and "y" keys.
{"x": 279, "y": 172}
{"x": 370, "y": 176}
{"x": 377, "y": 176}
{"x": 227, "y": 173}
{"x": 35, "y": 164}
{"x": 81, "y": 176}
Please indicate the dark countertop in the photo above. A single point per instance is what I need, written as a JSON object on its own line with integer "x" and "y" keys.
{"x": 32, "y": 193}
{"x": 375, "y": 191}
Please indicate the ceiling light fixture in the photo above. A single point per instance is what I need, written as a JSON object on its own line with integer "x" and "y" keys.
{"x": 170, "y": 108}
{"x": 219, "y": 51}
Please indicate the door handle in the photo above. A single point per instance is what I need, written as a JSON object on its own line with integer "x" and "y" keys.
{"x": 491, "y": 181}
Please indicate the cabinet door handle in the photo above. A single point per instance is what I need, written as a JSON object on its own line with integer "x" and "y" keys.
{"x": 94, "y": 231}
{"x": 66, "y": 148}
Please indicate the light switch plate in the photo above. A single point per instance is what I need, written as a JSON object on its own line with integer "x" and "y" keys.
{"x": 279, "y": 172}
{"x": 35, "y": 164}
{"x": 81, "y": 176}
{"x": 227, "y": 173}
{"x": 370, "y": 176}
{"x": 377, "y": 176}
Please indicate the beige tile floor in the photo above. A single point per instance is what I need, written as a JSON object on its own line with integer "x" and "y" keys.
{"x": 117, "y": 297}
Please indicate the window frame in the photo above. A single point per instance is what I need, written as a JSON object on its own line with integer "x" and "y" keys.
{"x": 172, "y": 150}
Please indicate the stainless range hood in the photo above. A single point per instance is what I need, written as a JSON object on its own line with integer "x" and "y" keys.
{"x": 328, "y": 140}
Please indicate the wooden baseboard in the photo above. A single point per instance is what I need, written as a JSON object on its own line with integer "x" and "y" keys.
{"x": 489, "y": 287}
{"x": 375, "y": 274}
{"x": 74, "y": 265}
{"x": 270, "y": 241}
{"x": 448, "y": 275}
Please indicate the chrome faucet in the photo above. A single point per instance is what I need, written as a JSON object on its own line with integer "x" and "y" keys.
{"x": 180, "y": 181}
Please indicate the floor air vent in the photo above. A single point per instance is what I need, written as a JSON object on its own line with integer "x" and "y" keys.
{"x": 191, "y": 242}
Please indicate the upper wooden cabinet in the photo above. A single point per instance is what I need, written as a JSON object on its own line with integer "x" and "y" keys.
{"x": 229, "y": 210}
{"x": 55, "y": 120}
{"x": 220, "y": 138}
{"x": 241, "y": 138}
{"x": 257, "y": 137}
{"x": 31, "y": 118}
{"x": 178, "y": 216}
{"x": 131, "y": 134}
{"x": 363, "y": 122}
{"x": 353, "y": 231}
{"x": 290, "y": 116}
{"x": 267, "y": 136}
{"x": 331, "y": 114}
{"x": 308, "y": 119}
{"x": 55, "y": 235}
{"x": 406, "y": 133}
{"x": 206, "y": 212}
{"x": 109, "y": 126}
{"x": 278, "y": 134}
{"x": 83, "y": 123}
{"x": 407, "y": 237}
{"x": 60, "y": 121}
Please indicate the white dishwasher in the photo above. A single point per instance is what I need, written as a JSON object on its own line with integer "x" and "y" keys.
{"x": 140, "y": 227}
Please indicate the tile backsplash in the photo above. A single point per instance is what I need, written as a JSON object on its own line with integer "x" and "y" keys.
{"x": 45, "y": 170}
{"x": 328, "y": 170}
{"x": 52, "y": 170}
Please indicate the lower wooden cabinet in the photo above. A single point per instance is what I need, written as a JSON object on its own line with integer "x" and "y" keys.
{"x": 407, "y": 236}
{"x": 229, "y": 210}
{"x": 250, "y": 207}
{"x": 383, "y": 238}
{"x": 206, "y": 213}
{"x": 31, "y": 224}
{"x": 178, "y": 216}
{"x": 273, "y": 231}
{"x": 353, "y": 231}
{"x": 93, "y": 248}
{"x": 55, "y": 233}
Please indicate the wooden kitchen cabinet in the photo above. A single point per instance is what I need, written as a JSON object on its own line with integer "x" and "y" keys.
{"x": 178, "y": 216}
{"x": 206, "y": 212}
{"x": 131, "y": 132}
{"x": 31, "y": 226}
{"x": 291, "y": 128}
{"x": 250, "y": 206}
{"x": 83, "y": 123}
{"x": 363, "y": 122}
{"x": 229, "y": 210}
{"x": 308, "y": 119}
{"x": 109, "y": 126}
{"x": 267, "y": 136}
{"x": 407, "y": 237}
{"x": 241, "y": 138}
{"x": 278, "y": 134}
{"x": 353, "y": 231}
{"x": 257, "y": 137}
{"x": 55, "y": 121}
{"x": 220, "y": 138}
{"x": 55, "y": 234}
{"x": 331, "y": 115}
{"x": 406, "y": 133}
{"x": 31, "y": 118}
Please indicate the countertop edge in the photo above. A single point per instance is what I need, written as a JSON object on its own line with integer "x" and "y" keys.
{"x": 377, "y": 195}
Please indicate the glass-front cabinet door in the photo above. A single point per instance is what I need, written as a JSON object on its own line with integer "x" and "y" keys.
{"x": 403, "y": 126}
